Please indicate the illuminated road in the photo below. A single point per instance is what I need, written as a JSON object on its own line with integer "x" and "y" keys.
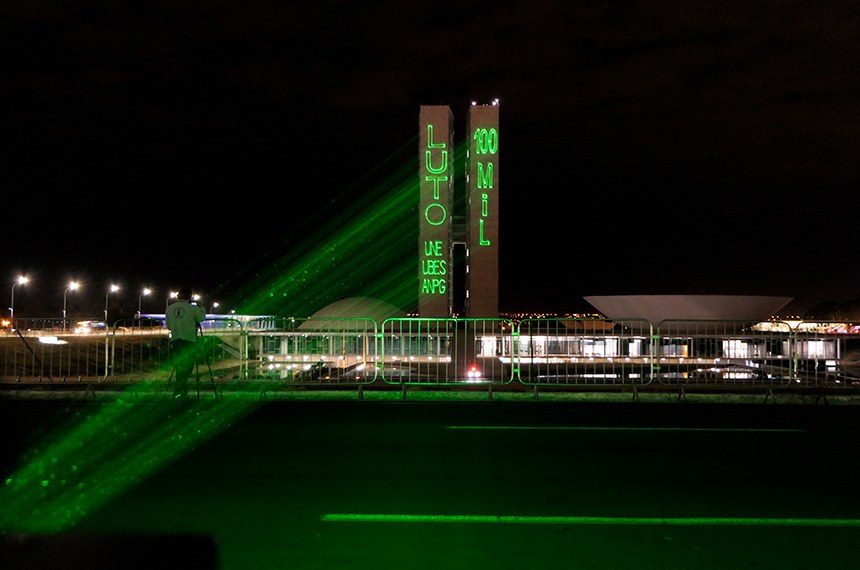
{"x": 502, "y": 485}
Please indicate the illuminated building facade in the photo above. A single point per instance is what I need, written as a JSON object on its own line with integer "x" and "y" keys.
{"x": 482, "y": 183}
{"x": 436, "y": 188}
{"x": 436, "y": 236}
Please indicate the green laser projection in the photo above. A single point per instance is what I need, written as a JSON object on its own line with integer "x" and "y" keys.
{"x": 619, "y": 428}
{"x": 82, "y": 465}
{"x": 362, "y": 250}
{"x": 435, "y": 193}
{"x": 367, "y": 249}
{"x": 483, "y": 189}
{"x": 486, "y": 144}
{"x": 434, "y": 263}
{"x": 503, "y": 519}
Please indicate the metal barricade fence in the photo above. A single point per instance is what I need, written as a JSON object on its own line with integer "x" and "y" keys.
{"x": 825, "y": 358}
{"x": 745, "y": 354}
{"x": 53, "y": 350}
{"x": 321, "y": 350}
{"x": 404, "y": 351}
{"x": 446, "y": 351}
{"x": 583, "y": 352}
{"x": 139, "y": 349}
{"x": 723, "y": 353}
{"x": 130, "y": 350}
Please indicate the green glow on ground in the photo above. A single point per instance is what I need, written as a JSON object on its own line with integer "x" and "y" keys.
{"x": 98, "y": 455}
{"x": 675, "y": 521}
{"x": 619, "y": 428}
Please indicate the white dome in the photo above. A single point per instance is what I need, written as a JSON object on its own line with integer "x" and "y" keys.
{"x": 353, "y": 308}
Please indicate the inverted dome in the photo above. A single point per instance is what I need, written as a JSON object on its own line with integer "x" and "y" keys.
{"x": 658, "y": 308}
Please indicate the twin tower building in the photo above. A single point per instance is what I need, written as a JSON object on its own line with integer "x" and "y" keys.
{"x": 478, "y": 232}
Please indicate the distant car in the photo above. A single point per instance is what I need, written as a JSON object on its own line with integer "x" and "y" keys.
{"x": 88, "y": 327}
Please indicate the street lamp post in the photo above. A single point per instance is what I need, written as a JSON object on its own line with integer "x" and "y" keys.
{"x": 171, "y": 295}
{"x": 146, "y": 291}
{"x": 21, "y": 280}
{"x": 113, "y": 289}
{"x": 72, "y": 286}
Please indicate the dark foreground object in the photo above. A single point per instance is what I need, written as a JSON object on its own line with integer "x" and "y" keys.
{"x": 107, "y": 552}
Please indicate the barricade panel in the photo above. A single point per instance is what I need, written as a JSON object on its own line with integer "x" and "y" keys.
{"x": 583, "y": 352}
{"x": 446, "y": 351}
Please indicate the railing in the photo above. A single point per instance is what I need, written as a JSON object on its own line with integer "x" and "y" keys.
{"x": 534, "y": 353}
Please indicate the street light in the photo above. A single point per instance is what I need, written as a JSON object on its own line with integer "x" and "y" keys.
{"x": 214, "y": 306}
{"x": 21, "y": 280}
{"x": 113, "y": 289}
{"x": 72, "y": 286}
{"x": 146, "y": 291}
{"x": 171, "y": 295}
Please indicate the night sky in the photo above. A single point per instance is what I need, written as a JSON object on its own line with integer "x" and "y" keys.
{"x": 645, "y": 147}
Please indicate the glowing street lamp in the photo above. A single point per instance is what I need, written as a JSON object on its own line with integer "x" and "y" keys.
{"x": 21, "y": 280}
{"x": 146, "y": 291}
{"x": 214, "y": 306}
{"x": 113, "y": 289}
{"x": 171, "y": 295}
{"x": 72, "y": 286}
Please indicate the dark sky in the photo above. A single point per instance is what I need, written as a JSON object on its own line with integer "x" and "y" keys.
{"x": 646, "y": 147}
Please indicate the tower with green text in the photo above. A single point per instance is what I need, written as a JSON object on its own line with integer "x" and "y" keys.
{"x": 438, "y": 234}
{"x": 482, "y": 188}
{"x": 436, "y": 188}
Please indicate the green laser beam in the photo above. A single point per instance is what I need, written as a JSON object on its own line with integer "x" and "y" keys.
{"x": 365, "y": 249}
{"x": 617, "y": 428}
{"x": 362, "y": 244}
{"x": 95, "y": 456}
{"x": 360, "y": 249}
{"x": 668, "y": 521}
